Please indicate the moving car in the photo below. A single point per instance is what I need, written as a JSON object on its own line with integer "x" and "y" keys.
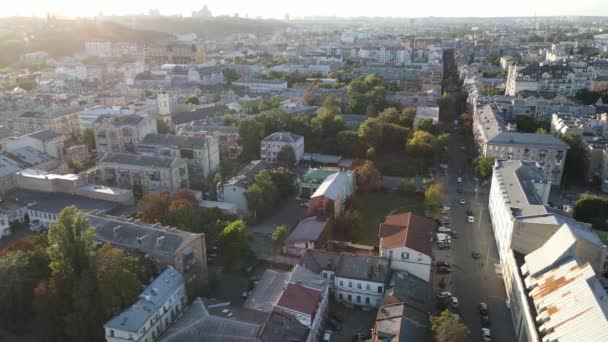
{"x": 444, "y": 295}
{"x": 462, "y": 202}
{"x": 443, "y": 229}
{"x": 460, "y": 172}
{"x": 444, "y": 245}
{"x": 462, "y": 148}
{"x": 444, "y": 208}
{"x": 454, "y": 302}
{"x": 471, "y": 219}
{"x": 486, "y": 334}
{"x": 328, "y": 336}
{"x": 483, "y": 308}
{"x": 459, "y": 179}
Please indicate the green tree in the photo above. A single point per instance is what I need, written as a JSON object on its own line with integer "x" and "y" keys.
{"x": 443, "y": 141}
{"x": 422, "y": 143}
{"x": 193, "y": 100}
{"x": 370, "y": 132}
{"x": 407, "y": 116}
{"x": 230, "y": 76}
{"x": 119, "y": 278}
{"x": 541, "y": 130}
{"x": 279, "y": 235}
{"x": 87, "y": 138}
{"x": 394, "y": 137}
{"x": 349, "y": 145}
{"x": 250, "y": 134}
{"x": 287, "y": 156}
{"x": 71, "y": 243}
{"x": 446, "y": 328}
{"x": 426, "y": 124}
{"x": 331, "y": 104}
{"x": 234, "y": 244}
{"x": 484, "y": 166}
{"x": 262, "y": 195}
{"x": 284, "y": 181}
{"x": 327, "y": 123}
{"x": 592, "y": 209}
{"x": 390, "y": 115}
{"x": 348, "y": 226}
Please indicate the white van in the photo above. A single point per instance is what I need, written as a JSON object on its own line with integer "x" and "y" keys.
{"x": 444, "y": 230}
{"x": 471, "y": 219}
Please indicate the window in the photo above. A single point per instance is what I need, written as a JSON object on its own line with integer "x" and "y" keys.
{"x": 379, "y": 289}
{"x": 405, "y": 255}
{"x": 368, "y": 287}
{"x": 325, "y": 275}
{"x": 350, "y": 284}
{"x": 359, "y": 286}
{"x": 350, "y": 298}
{"x": 366, "y": 300}
{"x": 390, "y": 254}
{"x": 358, "y": 299}
{"x": 341, "y": 296}
{"x": 341, "y": 283}
{"x": 331, "y": 277}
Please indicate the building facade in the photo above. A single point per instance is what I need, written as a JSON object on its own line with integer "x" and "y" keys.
{"x": 121, "y": 133}
{"x": 272, "y": 145}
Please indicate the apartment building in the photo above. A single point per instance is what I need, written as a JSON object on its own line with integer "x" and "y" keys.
{"x": 201, "y": 153}
{"x": 30, "y": 122}
{"x": 233, "y": 189}
{"x": 498, "y": 140}
{"x": 156, "y": 308}
{"x": 562, "y": 79}
{"x": 169, "y": 53}
{"x": 272, "y": 145}
{"x": 227, "y": 136}
{"x": 261, "y": 86}
{"x": 121, "y": 133}
{"x": 142, "y": 173}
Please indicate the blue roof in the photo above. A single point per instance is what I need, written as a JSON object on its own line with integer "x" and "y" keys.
{"x": 149, "y": 302}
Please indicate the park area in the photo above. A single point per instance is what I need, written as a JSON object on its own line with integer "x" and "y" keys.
{"x": 375, "y": 206}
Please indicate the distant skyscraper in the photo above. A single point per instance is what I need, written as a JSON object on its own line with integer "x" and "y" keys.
{"x": 203, "y": 13}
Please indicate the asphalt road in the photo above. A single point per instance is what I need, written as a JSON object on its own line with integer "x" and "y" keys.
{"x": 473, "y": 280}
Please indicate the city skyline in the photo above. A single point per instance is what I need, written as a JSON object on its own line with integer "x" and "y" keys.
{"x": 278, "y": 9}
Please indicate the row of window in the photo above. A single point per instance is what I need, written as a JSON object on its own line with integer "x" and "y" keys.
{"x": 360, "y": 286}
{"x": 45, "y": 216}
{"x": 357, "y": 300}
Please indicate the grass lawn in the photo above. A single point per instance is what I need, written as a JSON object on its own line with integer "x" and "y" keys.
{"x": 375, "y": 206}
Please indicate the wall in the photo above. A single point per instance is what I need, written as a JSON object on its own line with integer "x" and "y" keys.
{"x": 523, "y": 322}
{"x": 375, "y": 297}
{"x": 416, "y": 263}
{"x": 236, "y": 195}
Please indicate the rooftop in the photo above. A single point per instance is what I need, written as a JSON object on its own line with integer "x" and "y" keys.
{"x": 528, "y": 139}
{"x": 268, "y": 291}
{"x": 54, "y": 203}
{"x": 149, "y": 302}
{"x": 29, "y": 156}
{"x": 307, "y": 229}
{"x": 45, "y": 135}
{"x": 334, "y": 185}
{"x": 118, "y": 120}
{"x": 178, "y": 141}
{"x": 300, "y": 299}
{"x": 283, "y": 137}
{"x": 400, "y": 322}
{"x": 407, "y": 230}
{"x": 245, "y": 175}
{"x": 281, "y": 328}
{"x": 363, "y": 267}
{"x": 197, "y": 324}
{"x": 137, "y": 160}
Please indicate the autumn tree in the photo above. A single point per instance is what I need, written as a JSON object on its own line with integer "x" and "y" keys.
{"x": 370, "y": 132}
{"x": 153, "y": 207}
{"x": 466, "y": 122}
{"x": 433, "y": 198}
{"x": 308, "y": 99}
{"x": 422, "y": 143}
{"x": 368, "y": 177}
{"x": 446, "y": 328}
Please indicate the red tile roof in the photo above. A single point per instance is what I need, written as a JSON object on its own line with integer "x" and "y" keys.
{"x": 407, "y": 230}
{"x": 299, "y": 298}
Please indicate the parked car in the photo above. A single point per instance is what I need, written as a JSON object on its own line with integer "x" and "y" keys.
{"x": 443, "y": 229}
{"x": 454, "y": 302}
{"x": 483, "y": 308}
{"x": 471, "y": 219}
{"x": 475, "y": 255}
{"x": 486, "y": 334}
{"x": 444, "y": 208}
{"x": 443, "y": 269}
{"x": 459, "y": 179}
{"x": 334, "y": 324}
{"x": 469, "y": 212}
{"x": 328, "y": 336}
{"x": 444, "y": 295}
{"x": 462, "y": 202}
{"x": 444, "y": 245}
{"x": 362, "y": 335}
{"x": 485, "y": 321}
{"x": 454, "y": 234}
{"x": 462, "y": 148}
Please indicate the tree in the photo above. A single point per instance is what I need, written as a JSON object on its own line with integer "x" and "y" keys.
{"x": 349, "y": 145}
{"x": 327, "y": 123}
{"x": 262, "y": 195}
{"x": 483, "y": 166}
{"x": 250, "y": 134}
{"x": 541, "y": 130}
{"x": 406, "y": 119}
{"x": 443, "y": 141}
{"x": 71, "y": 243}
{"x": 466, "y": 122}
{"x": 394, "y": 137}
{"x": 287, "y": 156}
{"x": 184, "y": 196}
{"x": 592, "y": 209}
{"x": 446, "y": 328}
{"x": 426, "y": 124}
{"x": 332, "y": 104}
{"x": 422, "y": 143}
{"x": 153, "y": 207}
{"x": 119, "y": 278}
{"x": 370, "y": 132}
{"x": 230, "y": 76}
{"x": 347, "y": 226}
{"x": 279, "y": 235}
{"x": 193, "y": 100}
{"x": 367, "y": 176}
{"x": 527, "y": 124}
{"x": 433, "y": 198}
{"x": 284, "y": 181}
{"x": 234, "y": 244}
{"x": 389, "y": 115}
{"x": 87, "y": 138}
{"x": 370, "y": 153}
{"x": 162, "y": 127}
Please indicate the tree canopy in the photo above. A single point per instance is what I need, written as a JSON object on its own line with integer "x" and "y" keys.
{"x": 592, "y": 209}
{"x": 234, "y": 244}
{"x": 484, "y": 166}
{"x": 446, "y": 328}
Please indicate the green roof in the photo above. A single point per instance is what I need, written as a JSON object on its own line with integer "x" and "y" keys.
{"x": 316, "y": 175}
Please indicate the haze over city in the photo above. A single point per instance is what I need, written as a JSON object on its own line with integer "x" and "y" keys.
{"x": 341, "y": 8}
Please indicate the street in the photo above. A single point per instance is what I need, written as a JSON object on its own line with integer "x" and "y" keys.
{"x": 473, "y": 280}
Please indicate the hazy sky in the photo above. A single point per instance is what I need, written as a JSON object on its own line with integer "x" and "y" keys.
{"x": 342, "y": 8}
